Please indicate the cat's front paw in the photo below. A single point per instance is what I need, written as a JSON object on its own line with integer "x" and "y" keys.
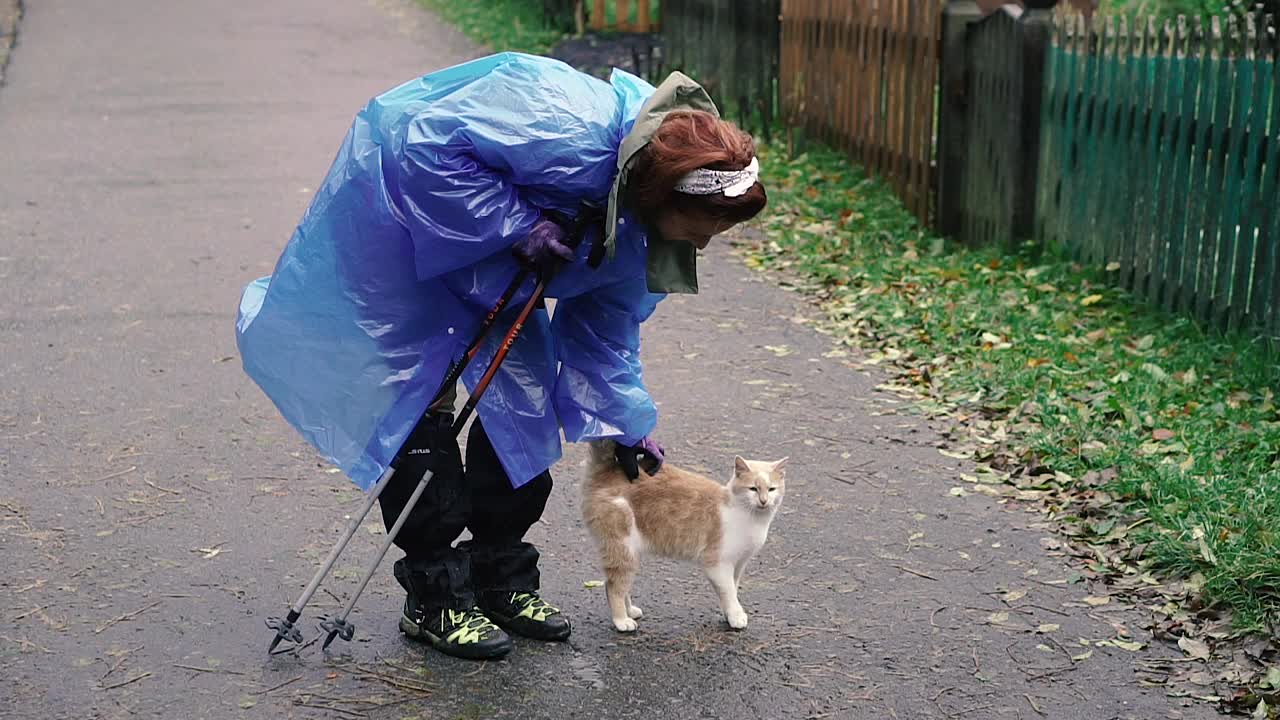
{"x": 625, "y": 625}
{"x": 635, "y": 612}
{"x": 737, "y": 618}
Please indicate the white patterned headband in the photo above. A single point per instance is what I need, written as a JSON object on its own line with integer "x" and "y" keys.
{"x": 733, "y": 183}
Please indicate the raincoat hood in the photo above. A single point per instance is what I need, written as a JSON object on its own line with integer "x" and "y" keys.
{"x": 671, "y": 266}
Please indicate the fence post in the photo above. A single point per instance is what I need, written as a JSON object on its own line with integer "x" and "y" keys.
{"x": 597, "y": 15}
{"x": 953, "y": 108}
{"x": 1034, "y": 32}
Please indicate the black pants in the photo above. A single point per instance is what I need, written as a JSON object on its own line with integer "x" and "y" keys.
{"x": 480, "y": 499}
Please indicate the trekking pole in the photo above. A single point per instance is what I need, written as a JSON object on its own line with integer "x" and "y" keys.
{"x": 340, "y": 626}
{"x": 284, "y": 627}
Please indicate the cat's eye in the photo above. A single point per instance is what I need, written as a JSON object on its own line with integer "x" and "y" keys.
{"x": 773, "y": 489}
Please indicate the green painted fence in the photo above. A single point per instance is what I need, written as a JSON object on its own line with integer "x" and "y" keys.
{"x": 1160, "y": 160}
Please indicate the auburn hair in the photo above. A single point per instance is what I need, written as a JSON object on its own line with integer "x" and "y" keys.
{"x": 685, "y": 141}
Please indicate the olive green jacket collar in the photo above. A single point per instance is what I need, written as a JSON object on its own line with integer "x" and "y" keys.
{"x": 671, "y": 266}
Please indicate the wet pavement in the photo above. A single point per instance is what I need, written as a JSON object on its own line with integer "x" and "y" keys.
{"x": 154, "y": 508}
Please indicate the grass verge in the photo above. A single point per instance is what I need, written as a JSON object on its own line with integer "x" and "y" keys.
{"x": 515, "y": 25}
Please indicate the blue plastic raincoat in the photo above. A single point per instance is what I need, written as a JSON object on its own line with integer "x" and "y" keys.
{"x": 406, "y": 246}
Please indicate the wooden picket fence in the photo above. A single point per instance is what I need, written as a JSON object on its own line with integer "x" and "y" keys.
{"x": 1151, "y": 150}
{"x": 1160, "y": 158}
{"x": 577, "y": 16}
{"x": 731, "y": 48}
{"x": 623, "y": 19}
{"x": 862, "y": 76}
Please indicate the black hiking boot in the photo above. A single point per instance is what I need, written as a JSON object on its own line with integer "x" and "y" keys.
{"x": 466, "y": 634}
{"x": 526, "y": 614}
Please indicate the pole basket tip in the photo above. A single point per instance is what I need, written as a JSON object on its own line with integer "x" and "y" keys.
{"x": 284, "y": 631}
{"x": 336, "y": 627}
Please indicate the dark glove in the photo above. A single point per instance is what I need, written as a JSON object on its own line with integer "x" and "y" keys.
{"x": 544, "y": 248}
{"x": 647, "y": 454}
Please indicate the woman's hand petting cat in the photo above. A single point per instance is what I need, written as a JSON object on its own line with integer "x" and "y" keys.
{"x": 647, "y": 454}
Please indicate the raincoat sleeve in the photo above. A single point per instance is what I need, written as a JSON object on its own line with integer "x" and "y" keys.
{"x": 476, "y": 165}
{"x": 600, "y": 392}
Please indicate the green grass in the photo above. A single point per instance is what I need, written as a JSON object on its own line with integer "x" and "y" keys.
{"x": 515, "y": 25}
{"x": 1105, "y": 411}
{"x": 1172, "y": 9}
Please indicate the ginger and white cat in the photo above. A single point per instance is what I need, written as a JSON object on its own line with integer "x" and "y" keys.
{"x": 681, "y": 515}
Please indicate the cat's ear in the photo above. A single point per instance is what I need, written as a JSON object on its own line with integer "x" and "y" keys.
{"x": 780, "y": 466}
{"x": 740, "y": 467}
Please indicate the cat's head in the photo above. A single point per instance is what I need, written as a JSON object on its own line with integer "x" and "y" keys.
{"x": 757, "y": 484}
